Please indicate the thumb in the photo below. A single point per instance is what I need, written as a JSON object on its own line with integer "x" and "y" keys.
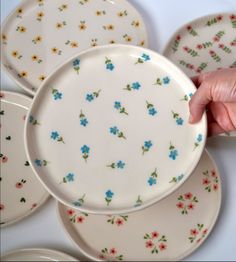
{"x": 198, "y": 102}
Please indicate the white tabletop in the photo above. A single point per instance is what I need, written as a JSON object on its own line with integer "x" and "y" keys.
{"x": 42, "y": 229}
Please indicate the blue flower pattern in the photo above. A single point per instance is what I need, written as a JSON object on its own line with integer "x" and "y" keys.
{"x": 120, "y": 165}
{"x": 173, "y": 152}
{"x": 56, "y": 94}
{"x": 146, "y": 147}
{"x": 115, "y": 131}
{"x": 76, "y": 65}
{"x": 92, "y": 96}
{"x": 108, "y": 197}
{"x": 134, "y": 86}
{"x": 79, "y": 202}
{"x": 120, "y": 108}
{"x": 179, "y": 121}
{"x": 151, "y": 109}
{"x": 143, "y": 58}
{"x": 68, "y": 178}
{"x": 198, "y": 141}
{"x": 40, "y": 163}
{"x": 153, "y": 178}
{"x": 85, "y": 152}
{"x": 162, "y": 81}
{"x": 83, "y": 119}
{"x": 55, "y": 136}
{"x": 109, "y": 65}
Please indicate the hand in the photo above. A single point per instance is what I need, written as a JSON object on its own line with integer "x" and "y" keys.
{"x": 216, "y": 93}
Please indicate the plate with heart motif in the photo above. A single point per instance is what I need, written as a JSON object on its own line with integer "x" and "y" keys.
{"x": 39, "y": 35}
{"x": 168, "y": 231}
{"x": 113, "y": 130}
{"x": 205, "y": 44}
{"x": 21, "y": 191}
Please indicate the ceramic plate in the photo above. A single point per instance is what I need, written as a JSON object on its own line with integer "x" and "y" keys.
{"x": 205, "y": 44}
{"x": 169, "y": 230}
{"x": 40, "y": 34}
{"x": 21, "y": 192}
{"x": 113, "y": 133}
{"x": 36, "y": 254}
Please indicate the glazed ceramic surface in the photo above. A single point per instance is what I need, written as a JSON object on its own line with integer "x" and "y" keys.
{"x": 21, "y": 191}
{"x": 108, "y": 132}
{"x": 169, "y": 230}
{"x": 40, "y": 34}
{"x": 36, "y": 254}
{"x": 205, "y": 44}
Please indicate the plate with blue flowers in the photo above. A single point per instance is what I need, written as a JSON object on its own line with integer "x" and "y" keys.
{"x": 113, "y": 133}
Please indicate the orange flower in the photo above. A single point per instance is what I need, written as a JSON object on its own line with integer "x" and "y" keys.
{"x": 136, "y": 23}
{"x": 82, "y": 26}
{"x": 54, "y": 50}
{"x": 74, "y": 44}
{"x": 98, "y": 13}
{"x": 14, "y": 53}
{"x": 59, "y": 25}
{"x": 112, "y": 42}
{"x": 120, "y": 14}
{"x": 34, "y": 57}
{"x": 19, "y": 10}
{"x": 110, "y": 27}
{"x": 42, "y": 77}
{"x": 142, "y": 43}
{"x": 22, "y": 29}
{"x": 23, "y": 74}
{"x": 4, "y": 37}
{"x": 40, "y": 14}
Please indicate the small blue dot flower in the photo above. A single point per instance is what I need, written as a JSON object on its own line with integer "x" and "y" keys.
{"x": 148, "y": 144}
{"x": 31, "y": 119}
{"x": 199, "y": 138}
{"x": 57, "y": 95}
{"x": 166, "y": 80}
{"x": 145, "y": 57}
{"x": 136, "y": 86}
{"x": 70, "y": 177}
{"x": 152, "y": 181}
{"x": 110, "y": 67}
{"x": 117, "y": 105}
{"x": 76, "y": 62}
{"x": 84, "y": 122}
{"x": 38, "y": 162}
{"x": 152, "y": 111}
{"x": 85, "y": 149}
{"x": 173, "y": 154}
{"x": 179, "y": 121}
{"x": 89, "y": 97}
{"x": 109, "y": 194}
{"x": 77, "y": 203}
{"x": 190, "y": 94}
{"x": 54, "y": 135}
{"x": 114, "y": 130}
{"x": 120, "y": 164}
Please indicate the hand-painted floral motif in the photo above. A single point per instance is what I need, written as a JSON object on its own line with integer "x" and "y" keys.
{"x": 127, "y": 38}
{"x": 76, "y": 65}
{"x": 109, "y": 65}
{"x": 21, "y": 29}
{"x": 37, "y": 39}
{"x": 214, "y": 20}
{"x": 204, "y": 45}
{"x": 62, "y": 7}
{"x": 151, "y": 109}
{"x": 155, "y": 242}
{"x": 83, "y": 2}
{"x": 164, "y": 81}
{"x": 225, "y": 48}
{"x": 3, "y": 158}
{"x": 133, "y": 86}
{"x": 68, "y": 178}
{"x": 173, "y": 153}
{"x": 56, "y": 51}
{"x": 16, "y": 54}
{"x": 120, "y": 108}
{"x": 110, "y": 255}
{"x": 152, "y": 180}
{"x": 83, "y": 119}
{"x": 79, "y": 202}
{"x": 118, "y": 220}
{"x": 109, "y": 27}
{"x": 179, "y": 121}
{"x": 33, "y": 121}
{"x": 198, "y": 141}
{"x": 233, "y": 20}
{"x": 60, "y": 25}
{"x": 108, "y": 197}
{"x": 23, "y": 74}
{"x": 27, "y": 163}
{"x": 177, "y": 179}
{"x": 72, "y": 44}
{"x": 197, "y": 234}
{"x": 122, "y": 13}
{"x": 8, "y": 138}
{"x": 214, "y": 55}
{"x": 55, "y": 136}
{"x": 119, "y": 165}
{"x": 92, "y": 96}
{"x": 39, "y": 162}
{"x": 138, "y": 202}
{"x": 40, "y": 16}
{"x": 142, "y": 59}
{"x": 218, "y": 36}
{"x": 190, "y": 51}
{"x": 20, "y": 184}
{"x": 176, "y": 43}
{"x": 135, "y": 23}
{"x": 187, "y": 65}
{"x": 191, "y": 30}
{"x": 85, "y": 152}
{"x": 100, "y": 12}
{"x": 147, "y": 146}
{"x": 187, "y": 97}
{"x": 76, "y": 217}
{"x": 82, "y": 25}
{"x": 115, "y": 131}
{"x": 210, "y": 180}
{"x": 56, "y": 94}
{"x": 186, "y": 203}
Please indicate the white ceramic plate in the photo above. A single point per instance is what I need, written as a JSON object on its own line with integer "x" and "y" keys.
{"x": 168, "y": 231}
{"x": 36, "y": 254}
{"x": 205, "y": 44}
{"x": 40, "y": 34}
{"x": 21, "y": 191}
{"x": 114, "y": 130}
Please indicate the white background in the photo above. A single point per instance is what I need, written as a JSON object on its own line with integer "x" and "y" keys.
{"x": 162, "y": 17}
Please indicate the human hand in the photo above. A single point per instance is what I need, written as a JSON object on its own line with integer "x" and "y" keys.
{"x": 217, "y": 93}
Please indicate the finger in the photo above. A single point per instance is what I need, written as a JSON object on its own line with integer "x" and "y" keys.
{"x": 195, "y": 80}
{"x": 198, "y": 103}
{"x": 215, "y": 129}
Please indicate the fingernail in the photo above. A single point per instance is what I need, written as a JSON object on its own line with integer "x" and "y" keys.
{"x": 190, "y": 120}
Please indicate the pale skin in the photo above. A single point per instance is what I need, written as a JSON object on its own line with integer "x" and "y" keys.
{"x": 217, "y": 94}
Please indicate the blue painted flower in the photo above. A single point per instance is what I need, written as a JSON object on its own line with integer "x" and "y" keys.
{"x": 199, "y": 138}
{"x": 120, "y": 164}
{"x": 54, "y": 135}
{"x": 148, "y": 144}
{"x": 136, "y": 85}
{"x": 173, "y": 154}
{"x": 152, "y": 111}
{"x": 109, "y": 194}
{"x": 114, "y": 130}
{"x": 117, "y": 105}
{"x": 57, "y": 95}
{"x": 38, "y": 162}
{"x": 85, "y": 149}
{"x": 110, "y": 67}
{"x": 31, "y": 119}
{"x": 166, "y": 80}
{"x": 84, "y": 122}
{"x": 152, "y": 181}
{"x": 76, "y": 62}
{"x": 145, "y": 57}
{"x": 179, "y": 121}
{"x": 70, "y": 177}
{"x": 190, "y": 94}
{"x": 89, "y": 97}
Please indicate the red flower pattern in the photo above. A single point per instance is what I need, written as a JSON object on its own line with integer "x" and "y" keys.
{"x": 155, "y": 234}
{"x": 113, "y": 251}
{"x": 197, "y": 234}
{"x": 80, "y": 219}
{"x": 155, "y": 242}
{"x": 162, "y": 246}
{"x": 188, "y": 195}
{"x": 186, "y": 202}
{"x": 180, "y": 205}
{"x": 70, "y": 212}
{"x": 210, "y": 180}
{"x": 149, "y": 244}
{"x": 2, "y": 206}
